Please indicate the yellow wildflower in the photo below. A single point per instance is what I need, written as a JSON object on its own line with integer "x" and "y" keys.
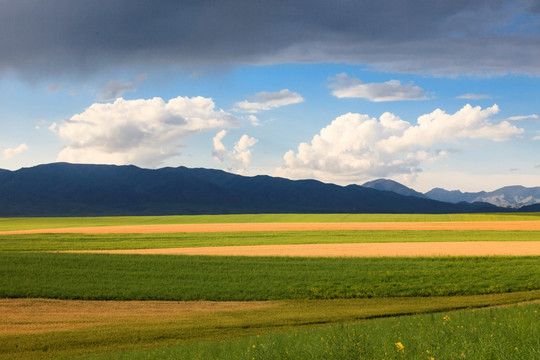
{"x": 399, "y": 346}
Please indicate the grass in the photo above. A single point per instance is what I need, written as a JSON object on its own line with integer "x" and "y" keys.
{"x": 511, "y": 333}
{"x": 64, "y": 222}
{"x": 305, "y": 293}
{"x": 155, "y": 277}
{"x": 123, "y": 334}
{"x": 59, "y": 242}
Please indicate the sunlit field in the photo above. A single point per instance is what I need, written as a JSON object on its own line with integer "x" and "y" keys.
{"x": 161, "y": 277}
{"x": 66, "y": 222}
{"x": 152, "y": 154}
{"x": 500, "y": 333}
{"x": 66, "y": 242}
{"x": 105, "y": 306}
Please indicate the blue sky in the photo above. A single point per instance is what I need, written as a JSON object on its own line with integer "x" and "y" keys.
{"x": 429, "y": 94}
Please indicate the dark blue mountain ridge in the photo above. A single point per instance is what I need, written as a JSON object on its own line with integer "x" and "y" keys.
{"x": 63, "y": 189}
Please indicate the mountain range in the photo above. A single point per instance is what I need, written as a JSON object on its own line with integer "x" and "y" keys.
{"x": 507, "y": 197}
{"x": 63, "y": 189}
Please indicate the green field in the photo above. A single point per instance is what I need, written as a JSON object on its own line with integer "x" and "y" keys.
{"x": 207, "y": 333}
{"x": 163, "y": 277}
{"x": 316, "y": 308}
{"x": 503, "y": 333}
{"x": 66, "y": 222}
{"x": 63, "y": 242}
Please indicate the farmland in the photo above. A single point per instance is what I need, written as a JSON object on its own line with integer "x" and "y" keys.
{"x": 67, "y": 222}
{"x": 154, "y": 277}
{"x": 508, "y": 333}
{"x": 164, "y": 306}
{"x": 74, "y": 241}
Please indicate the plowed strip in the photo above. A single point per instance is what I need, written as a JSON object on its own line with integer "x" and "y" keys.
{"x": 476, "y": 248}
{"x": 230, "y": 227}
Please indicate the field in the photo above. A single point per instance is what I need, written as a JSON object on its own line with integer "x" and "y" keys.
{"x": 7, "y": 224}
{"x": 75, "y": 241}
{"x": 68, "y": 305}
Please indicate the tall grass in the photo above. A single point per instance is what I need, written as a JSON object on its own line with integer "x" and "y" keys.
{"x": 62, "y": 222}
{"x": 155, "y": 277}
{"x": 511, "y": 333}
{"x": 121, "y": 333}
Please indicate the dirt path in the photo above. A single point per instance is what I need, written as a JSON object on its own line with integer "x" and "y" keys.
{"x": 189, "y": 228}
{"x": 473, "y": 248}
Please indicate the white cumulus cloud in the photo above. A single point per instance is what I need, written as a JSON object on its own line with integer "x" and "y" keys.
{"x": 142, "y": 132}
{"x": 268, "y": 100}
{"x": 468, "y": 122}
{"x": 393, "y": 90}
{"x": 220, "y": 151}
{"x": 354, "y": 146}
{"x": 12, "y": 152}
{"x": 237, "y": 159}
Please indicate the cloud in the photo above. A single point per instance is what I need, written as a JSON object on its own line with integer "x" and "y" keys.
{"x": 254, "y": 120}
{"x": 52, "y": 88}
{"x": 268, "y": 100}
{"x": 53, "y": 128}
{"x": 12, "y": 152}
{"x": 114, "y": 89}
{"x": 354, "y": 146}
{"x": 393, "y": 90}
{"x": 522, "y": 117}
{"x": 220, "y": 151}
{"x": 469, "y": 122}
{"x": 470, "y": 96}
{"x": 242, "y": 151}
{"x": 446, "y": 37}
{"x": 239, "y": 158}
{"x": 141, "y": 132}
{"x": 40, "y": 123}
{"x": 140, "y": 78}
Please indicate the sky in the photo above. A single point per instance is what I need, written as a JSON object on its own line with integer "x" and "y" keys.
{"x": 430, "y": 93}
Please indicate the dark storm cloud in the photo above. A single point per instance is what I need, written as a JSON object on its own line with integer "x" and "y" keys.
{"x": 435, "y": 36}
{"x": 114, "y": 89}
